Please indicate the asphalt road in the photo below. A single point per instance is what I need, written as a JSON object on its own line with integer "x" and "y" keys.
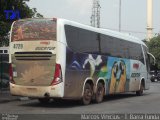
{"x": 123, "y": 103}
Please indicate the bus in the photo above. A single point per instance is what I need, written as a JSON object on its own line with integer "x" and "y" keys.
{"x": 4, "y": 50}
{"x": 4, "y": 68}
{"x": 61, "y": 59}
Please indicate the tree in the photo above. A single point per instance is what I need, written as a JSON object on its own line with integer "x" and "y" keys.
{"x": 5, "y": 23}
{"x": 154, "y": 48}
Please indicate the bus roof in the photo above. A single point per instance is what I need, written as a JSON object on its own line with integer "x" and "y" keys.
{"x": 108, "y": 32}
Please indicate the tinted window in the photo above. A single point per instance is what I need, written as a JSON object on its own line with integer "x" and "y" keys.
{"x": 85, "y": 41}
{"x": 81, "y": 40}
{"x": 72, "y": 37}
{"x": 121, "y": 48}
{"x": 107, "y": 45}
{"x": 113, "y": 47}
{"x": 135, "y": 52}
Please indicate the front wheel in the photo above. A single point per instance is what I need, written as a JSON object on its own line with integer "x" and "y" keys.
{"x": 140, "y": 92}
{"x": 99, "y": 93}
{"x": 87, "y": 95}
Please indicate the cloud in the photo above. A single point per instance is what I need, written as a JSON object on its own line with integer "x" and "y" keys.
{"x": 83, "y": 6}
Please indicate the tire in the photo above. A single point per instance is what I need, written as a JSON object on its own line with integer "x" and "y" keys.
{"x": 140, "y": 92}
{"x": 87, "y": 94}
{"x": 152, "y": 80}
{"x": 44, "y": 100}
{"x": 58, "y": 100}
{"x": 99, "y": 93}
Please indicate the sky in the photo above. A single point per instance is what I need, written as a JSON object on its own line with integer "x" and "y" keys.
{"x": 133, "y": 13}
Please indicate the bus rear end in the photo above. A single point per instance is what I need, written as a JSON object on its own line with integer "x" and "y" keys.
{"x": 34, "y": 71}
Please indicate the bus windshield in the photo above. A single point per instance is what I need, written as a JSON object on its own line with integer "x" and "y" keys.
{"x": 37, "y": 29}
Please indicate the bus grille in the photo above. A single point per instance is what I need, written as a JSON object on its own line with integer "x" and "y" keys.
{"x": 33, "y": 55}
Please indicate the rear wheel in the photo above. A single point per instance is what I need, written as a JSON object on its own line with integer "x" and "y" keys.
{"x": 140, "y": 92}
{"x": 153, "y": 79}
{"x": 58, "y": 100}
{"x": 99, "y": 92}
{"x": 87, "y": 94}
{"x": 44, "y": 100}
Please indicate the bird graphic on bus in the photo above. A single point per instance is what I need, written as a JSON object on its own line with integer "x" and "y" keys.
{"x": 118, "y": 77}
{"x": 122, "y": 80}
{"x": 113, "y": 78}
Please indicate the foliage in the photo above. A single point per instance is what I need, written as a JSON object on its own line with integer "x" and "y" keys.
{"x": 5, "y": 24}
{"x": 154, "y": 48}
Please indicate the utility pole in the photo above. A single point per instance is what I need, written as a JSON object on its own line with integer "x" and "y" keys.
{"x": 119, "y": 15}
{"x": 95, "y": 17}
{"x": 149, "y": 19}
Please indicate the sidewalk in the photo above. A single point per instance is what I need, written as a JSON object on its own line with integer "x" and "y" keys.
{"x": 5, "y": 96}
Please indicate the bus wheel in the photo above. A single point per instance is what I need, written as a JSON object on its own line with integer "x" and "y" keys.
{"x": 140, "y": 92}
{"x": 99, "y": 92}
{"x": 44, "y": 100}
{"x": 87, "y": 95}
{"x": 58, "y": 100}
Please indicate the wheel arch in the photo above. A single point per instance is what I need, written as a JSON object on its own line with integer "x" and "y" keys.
{"x": 142, "y": 81}
{"x": 90, "y": 81}
{"x": 102, "y": 80}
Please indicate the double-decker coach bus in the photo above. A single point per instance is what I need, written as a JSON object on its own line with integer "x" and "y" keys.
{"x": 62, "y": 59}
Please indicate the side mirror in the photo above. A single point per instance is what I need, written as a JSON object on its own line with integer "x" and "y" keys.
{"x": 152, "y": 59}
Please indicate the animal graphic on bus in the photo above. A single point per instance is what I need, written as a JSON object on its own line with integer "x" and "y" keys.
{"x": 118, "y": 74}
{"x": 113, "y": 78}
{"x": 122, "y": 79}
{"x": 116, "y": 71}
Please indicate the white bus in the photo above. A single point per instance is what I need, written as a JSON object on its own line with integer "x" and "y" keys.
{"x": 62, "y": 59}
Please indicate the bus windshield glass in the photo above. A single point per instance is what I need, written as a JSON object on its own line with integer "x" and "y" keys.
{"x": 37, "y": 29}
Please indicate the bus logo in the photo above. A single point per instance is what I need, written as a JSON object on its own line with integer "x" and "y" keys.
{"x": 45, "y": 43}
{"x": 44, "y": 48}
{"x": 136, "y": 66}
